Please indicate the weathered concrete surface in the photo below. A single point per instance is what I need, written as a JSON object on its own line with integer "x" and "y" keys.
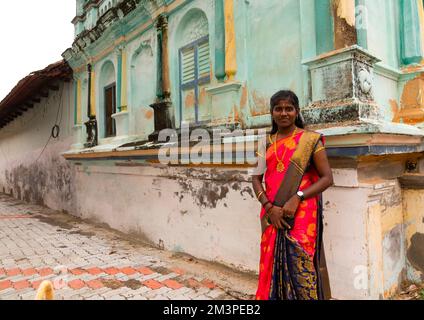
{"x": 413, "y": 202}
{"x": 173, "y": 206}
{"x": 86, "y": 261}
{"x": 30, "y": 160}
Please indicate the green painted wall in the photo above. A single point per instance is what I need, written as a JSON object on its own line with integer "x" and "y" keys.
{"x": 273, "y": 37}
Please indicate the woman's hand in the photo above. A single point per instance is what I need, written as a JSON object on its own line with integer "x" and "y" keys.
{"x": 275, "y": 214}
{"x": 290, "y": 208}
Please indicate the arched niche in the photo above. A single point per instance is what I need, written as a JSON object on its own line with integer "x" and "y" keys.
{"x": 107, "y": 99}
{"x": 143, "y": 87}
{"x": 193, "y": 26}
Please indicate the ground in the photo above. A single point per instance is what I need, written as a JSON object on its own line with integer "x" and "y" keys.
{"x": 411, "y": 291}
{"x": 87, "y": 261}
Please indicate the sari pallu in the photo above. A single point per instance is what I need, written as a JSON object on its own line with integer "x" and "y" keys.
{"x": 292, "y": 264}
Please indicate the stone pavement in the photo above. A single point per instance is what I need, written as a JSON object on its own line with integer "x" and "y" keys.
{"x": 85, "y": 261}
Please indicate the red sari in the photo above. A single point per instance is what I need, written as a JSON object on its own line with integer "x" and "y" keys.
{"x": 304, "y": 232}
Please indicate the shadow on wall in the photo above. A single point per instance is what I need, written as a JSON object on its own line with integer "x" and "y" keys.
{"x": 415, "y": 253}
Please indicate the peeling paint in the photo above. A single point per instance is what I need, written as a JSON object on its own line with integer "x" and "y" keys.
{"x": 260, "y": 104}
{"x": 148, "y": 114}
{"x": 395, "y": 110}
{"x": 346, "y": 10}
{"x": 247, "y": 190}
{"x": 34, "y": 182}
{"x": 243, "y": 98}
{"x": 412, "y": 102}
{"x": 190, "y": 100}
{"x": 207, "y": 195}
{"x": 236, "y": 186}
{"x": 203, "y": 96}
{"x": 344, "y": 23}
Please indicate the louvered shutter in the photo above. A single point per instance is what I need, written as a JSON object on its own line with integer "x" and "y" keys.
{"x": 188, "y": 66}
{"x": 203, "y": 60}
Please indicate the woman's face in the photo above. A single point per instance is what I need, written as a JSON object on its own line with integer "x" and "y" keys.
{"x": 284, "y": 114}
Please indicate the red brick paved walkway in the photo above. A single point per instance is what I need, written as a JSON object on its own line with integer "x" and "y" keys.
{"x": 84, "y": 266}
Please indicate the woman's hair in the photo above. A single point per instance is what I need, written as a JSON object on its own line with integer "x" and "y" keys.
{"x": 289, "y": 96}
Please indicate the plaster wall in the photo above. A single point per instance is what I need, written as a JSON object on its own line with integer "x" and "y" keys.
{"x": 382, "y": 30}
{"x": 212, "y": 214}
{"x": 386, "y": 94}
{"x": 269, "y": 61}
{"x": 413, "y": 202}
{"x": 29, "y": 170}
{"x": 142, "y": 78}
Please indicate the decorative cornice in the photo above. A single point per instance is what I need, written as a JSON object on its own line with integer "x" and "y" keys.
{"x": 92, "y": 3}
{"x": 110, "y": 17}
{"x": 78, "y": 19}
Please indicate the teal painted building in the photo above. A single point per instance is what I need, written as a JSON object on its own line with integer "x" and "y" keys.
{"x": 357, "y": 67}
{"x": 214, "y": 71}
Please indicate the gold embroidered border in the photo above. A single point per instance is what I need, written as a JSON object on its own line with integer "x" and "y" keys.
{"x": 319, "y": 149}
{"x": 304, "y": 149}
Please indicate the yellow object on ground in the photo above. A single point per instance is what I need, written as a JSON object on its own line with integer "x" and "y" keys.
{"x": 45, "y": 291}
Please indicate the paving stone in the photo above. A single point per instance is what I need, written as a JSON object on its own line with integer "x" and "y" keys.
{"x": 109, "y": 269}
{"x": 137, "y": 297}
{"x": 95, "y": 297}
{"x": 214, "y": 294}
{"x": 202, "y": 297}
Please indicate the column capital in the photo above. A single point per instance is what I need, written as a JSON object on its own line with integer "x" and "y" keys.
{"x": 162, "y": 22}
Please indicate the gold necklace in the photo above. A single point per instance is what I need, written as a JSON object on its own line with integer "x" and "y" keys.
{"x": 280, "y": 164}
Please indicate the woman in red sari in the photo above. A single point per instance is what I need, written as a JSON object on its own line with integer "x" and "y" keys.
{"x": 295, "y": 166}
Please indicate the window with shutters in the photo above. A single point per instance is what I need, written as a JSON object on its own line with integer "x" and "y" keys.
{"x": 194, "y": 73}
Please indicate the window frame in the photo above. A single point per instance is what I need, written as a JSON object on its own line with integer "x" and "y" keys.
{"x": 197, "y": 81}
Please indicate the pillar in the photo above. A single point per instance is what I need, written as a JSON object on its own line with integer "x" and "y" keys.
{"x": 162, "y": 106}
{"x": 91, "y": 124}
{"x": 219, "y": 41}
{"x": 411, "y": 47}
{"x": 230, "y": 41}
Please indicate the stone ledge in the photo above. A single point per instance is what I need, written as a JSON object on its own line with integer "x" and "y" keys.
{"x": 412, "y": 181}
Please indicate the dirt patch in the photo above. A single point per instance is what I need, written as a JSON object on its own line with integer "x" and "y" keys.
{"x": 83, "y": 233}
{"x": 55, "y": 222}
{"x": 132, "y": 284}
{"x": 112, "y": 283}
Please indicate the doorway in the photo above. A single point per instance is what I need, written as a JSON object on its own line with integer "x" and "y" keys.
{"x": 110, "y": 109}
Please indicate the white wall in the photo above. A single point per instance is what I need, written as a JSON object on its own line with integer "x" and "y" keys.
{"x": 31, "y": 174}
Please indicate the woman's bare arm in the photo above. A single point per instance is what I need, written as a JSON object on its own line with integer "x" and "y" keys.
{"x": 259, "y": 189}
{"x": 324, "y": 171}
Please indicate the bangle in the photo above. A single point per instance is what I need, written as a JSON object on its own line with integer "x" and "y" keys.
{"x": 259, "y": 194}
{"x": 272, "y": 206}
{"x": 264, "y": 204}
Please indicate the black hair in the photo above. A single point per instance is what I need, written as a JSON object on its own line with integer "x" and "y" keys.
{"x": 292, "y": 97}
